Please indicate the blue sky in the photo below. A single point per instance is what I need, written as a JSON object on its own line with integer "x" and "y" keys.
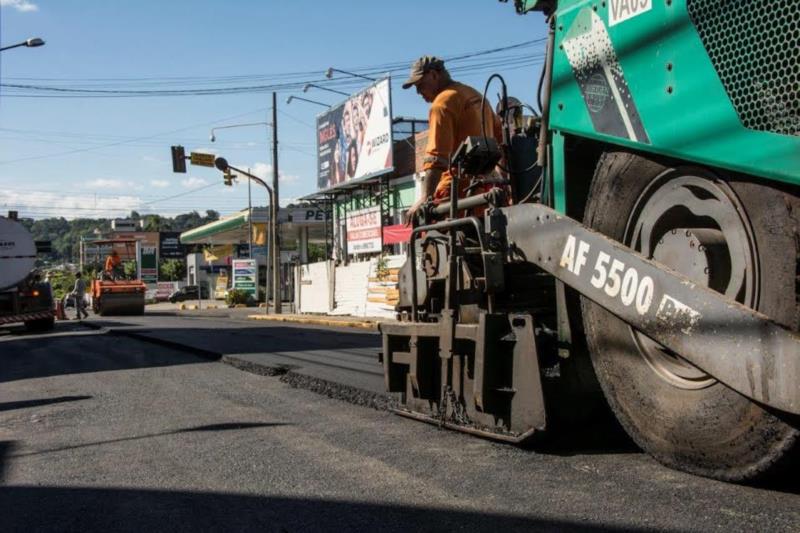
{"x": 93, "y": 156}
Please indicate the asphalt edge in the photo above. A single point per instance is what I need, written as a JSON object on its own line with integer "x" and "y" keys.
{"x": 205, "y": 354}
{"x": 286, "y": 373}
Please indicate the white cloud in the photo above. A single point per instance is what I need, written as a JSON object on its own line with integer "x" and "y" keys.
{"x": 264, "y": 171}
{"x": 112, "y": 184}
{"x": 105, "y": 183}
{"x": 159, "y": 184}
{"x": 45, "y": 205}
{"x": 192, "y": 182}
{"x": 20, "y": 5}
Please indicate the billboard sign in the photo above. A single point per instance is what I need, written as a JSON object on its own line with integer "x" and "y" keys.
{"x": 170, "y": 246}
{"x": 364, "y": 231}
{"x": 245, "y": 276}
{"x": 354, "y": 139}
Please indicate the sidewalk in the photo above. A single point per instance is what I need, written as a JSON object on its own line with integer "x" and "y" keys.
{"x": 368, "y": 323}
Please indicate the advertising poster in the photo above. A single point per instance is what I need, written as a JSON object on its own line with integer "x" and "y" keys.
{"x": 364, "y": 231}
{"x": 354, "y": 139}
{"x": 245, "y": 276}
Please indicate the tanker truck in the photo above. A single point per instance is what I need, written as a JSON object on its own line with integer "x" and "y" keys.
{"x": 24, "y": 297}
{"x": 643, "y": 252}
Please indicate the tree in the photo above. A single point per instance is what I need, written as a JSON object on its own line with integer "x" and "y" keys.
{"x": 65, "y": 235}
{"x": 172, "y": 270}
{"x": 130, "y": 269}
{"x": 316, "y": 252}
{"x": 154, "y": 223}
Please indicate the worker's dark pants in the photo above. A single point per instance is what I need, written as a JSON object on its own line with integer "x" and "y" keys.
{"x": 80, "y": 306}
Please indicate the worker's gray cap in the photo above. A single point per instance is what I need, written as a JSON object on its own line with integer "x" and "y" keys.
{"x": 420, "y": 67}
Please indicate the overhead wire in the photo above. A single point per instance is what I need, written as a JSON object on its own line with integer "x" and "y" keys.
{"x": 210, "y": 85}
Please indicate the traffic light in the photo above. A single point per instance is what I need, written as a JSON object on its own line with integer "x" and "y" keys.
{"x": 178, "y": 159}
{"x": 228, "y": 177}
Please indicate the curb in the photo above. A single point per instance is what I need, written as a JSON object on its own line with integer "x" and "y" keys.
{"x": 359, "y": 324}
{"x": 194, "y": 307}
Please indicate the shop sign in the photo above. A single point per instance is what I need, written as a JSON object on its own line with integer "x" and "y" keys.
{"x": 149, "y": 264}
{"x": 170, "y": 246}
{"x": 245, "y": 276}
{"x": 364, "y": 231}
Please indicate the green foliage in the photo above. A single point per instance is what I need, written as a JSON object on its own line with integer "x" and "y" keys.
{"x": 316, "y": 252}
{"x": 156, "y": 223}
{"x": 65, "y": 234}
{"x": 129, "y": 268}
{"x": 62, "y": 283}
{"x": 382, "y": 267}
{"x": 237, "y": 296}
{"x": 171, "y": 270}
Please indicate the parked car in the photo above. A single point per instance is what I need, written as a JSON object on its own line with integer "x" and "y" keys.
{"x": 188, "y": 292}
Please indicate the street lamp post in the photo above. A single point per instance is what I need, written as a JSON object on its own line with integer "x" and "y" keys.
{"x": 274, "y": 248}
{"x": 276, "y": 255}
{"x": 331, "y": 70}
{"x": 30, "y": 43}
{"x": 308, "y": 86}
{"x": 292, "y": 97}
{"x": 213, "y": 137}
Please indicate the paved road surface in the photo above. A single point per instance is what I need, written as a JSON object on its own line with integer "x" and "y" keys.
{"x": 100, "y": 432}
{"x": 342, "y": 356}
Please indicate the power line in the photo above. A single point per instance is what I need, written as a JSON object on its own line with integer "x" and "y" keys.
{"x": 60, "y": 91}
{"x": 117, "y": 143}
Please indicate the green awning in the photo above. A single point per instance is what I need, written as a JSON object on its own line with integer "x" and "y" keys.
{"x": 205, "y": 233}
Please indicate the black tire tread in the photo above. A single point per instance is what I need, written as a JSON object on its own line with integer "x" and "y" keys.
{"x": 613, "y": 175}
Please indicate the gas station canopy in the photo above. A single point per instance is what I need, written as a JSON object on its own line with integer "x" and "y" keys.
{"x": 234, "y": 229}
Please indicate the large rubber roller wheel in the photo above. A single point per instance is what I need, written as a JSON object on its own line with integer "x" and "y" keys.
{"x": 736, "y": 236}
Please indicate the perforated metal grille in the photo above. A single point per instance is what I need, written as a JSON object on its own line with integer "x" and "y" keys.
{"x": 755, "y": 47}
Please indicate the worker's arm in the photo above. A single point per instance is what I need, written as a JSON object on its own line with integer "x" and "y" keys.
{"x": 441, "y": 128}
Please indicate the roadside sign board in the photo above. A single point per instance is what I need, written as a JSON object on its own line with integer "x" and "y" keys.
{"x": 245, "y": 276}
{"x": 170, "y": 246}
{"x": 149, "y": 264}
{"x": 364, "y": 231}
{"x": 204, "y": 160}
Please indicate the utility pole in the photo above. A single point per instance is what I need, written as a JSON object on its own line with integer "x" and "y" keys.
{"x": 249, "y": 221}
{"x": 276, "y": 254}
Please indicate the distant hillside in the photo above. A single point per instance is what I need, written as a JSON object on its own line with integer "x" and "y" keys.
{"x": 65, "y": 234}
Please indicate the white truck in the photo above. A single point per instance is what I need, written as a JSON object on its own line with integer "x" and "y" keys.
{"x": 24, "y": 296}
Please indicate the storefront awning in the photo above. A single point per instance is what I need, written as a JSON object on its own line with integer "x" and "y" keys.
{"x": 399, "y": 233}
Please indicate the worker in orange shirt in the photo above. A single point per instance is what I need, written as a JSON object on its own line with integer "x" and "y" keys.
{"x": 455, "y": 114}
{"x": 113, "y": 268}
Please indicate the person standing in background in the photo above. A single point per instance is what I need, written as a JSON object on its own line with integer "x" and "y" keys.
{"x": 79, "y": 296}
